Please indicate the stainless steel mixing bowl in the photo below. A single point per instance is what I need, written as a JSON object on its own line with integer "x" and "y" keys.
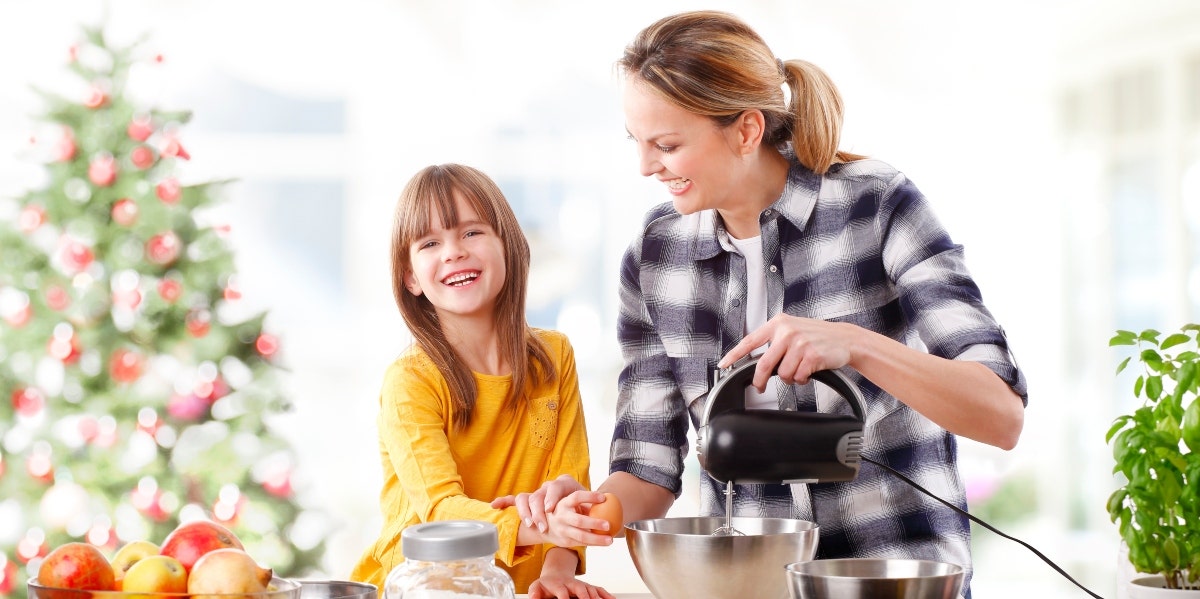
{"x": 679, "y": 558}
{"x": 874, "y": 578}
{"x": 336, "y": 589}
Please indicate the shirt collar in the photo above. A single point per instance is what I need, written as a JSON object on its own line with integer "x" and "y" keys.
{"x": 795, "y": 204}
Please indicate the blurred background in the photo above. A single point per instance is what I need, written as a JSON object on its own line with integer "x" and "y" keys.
{"x": 1058, "y": 140}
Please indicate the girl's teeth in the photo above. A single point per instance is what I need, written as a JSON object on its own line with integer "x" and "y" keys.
{"x": 460, "y": 280}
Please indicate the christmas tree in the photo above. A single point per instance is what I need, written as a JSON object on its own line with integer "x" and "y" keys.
{"x": 135, "y": 393}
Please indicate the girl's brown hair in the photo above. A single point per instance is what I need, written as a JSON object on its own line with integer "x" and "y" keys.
{"x": 431, "y": 194}
{"x": 712, "y": 64}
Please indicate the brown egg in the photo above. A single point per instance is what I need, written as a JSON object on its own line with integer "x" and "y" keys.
{"x": 609, "y": 510}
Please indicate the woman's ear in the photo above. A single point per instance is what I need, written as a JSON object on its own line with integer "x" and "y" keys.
{"x": 749, "y": 129}
{"x": 411, "y": 284}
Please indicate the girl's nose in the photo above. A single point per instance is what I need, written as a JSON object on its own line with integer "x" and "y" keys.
{"x": 453, "y": 250}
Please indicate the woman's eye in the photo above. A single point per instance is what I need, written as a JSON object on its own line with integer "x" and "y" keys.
{"x": 665, "y": 149}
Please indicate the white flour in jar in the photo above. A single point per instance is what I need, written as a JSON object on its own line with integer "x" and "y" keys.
{"x": 434, "y": 594}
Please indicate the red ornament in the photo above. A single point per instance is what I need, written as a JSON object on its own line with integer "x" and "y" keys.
{"x": 65, "y": 349}
{"x": 57, "y": 298}
{"x": 279, "y": 484}
{"x": 199, "y": 322}
{"x": 65, "y": 149}
{"x": 125, "y": 212}
{"x": 40, "y": 467}
{"x": 187, "y": 407}
{"x": 76, "y": 256}
{"x": 211, "y": 391}
{"x": 164, "y": 248}
{"x": 128, "y": 299}
{"x": 31, "y": 546}
{"x": 8, "y": 575}
{"x": 125, "y": 366}
{"x": 142, "y": 157}
{"x": 31, "y": 217}
{"x": 28, "y": 401}
{"x": 148, "y": 421}
{"x": 19, "y": 317}
{"x": 267, "y": 345}
{"x": 95, "y": 98}
{"x": 173, "y": 148}
{"x": 89, "y": 429}
{"x": 231, "y": 292}
{"x": 149, "y": 503}
{"x": 169, "y": 191}
{"x": 103, "y": 170}
{"x": 170, "y": 290}
{"x": 140, "y": 128}
{"x": 226, "y": 512}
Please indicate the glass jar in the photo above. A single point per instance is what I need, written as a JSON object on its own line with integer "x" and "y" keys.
{"x": 449, "y": 560}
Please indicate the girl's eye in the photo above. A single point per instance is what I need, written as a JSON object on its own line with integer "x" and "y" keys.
{"x": 472, "y": 233}
{"x": 427, "y": 244}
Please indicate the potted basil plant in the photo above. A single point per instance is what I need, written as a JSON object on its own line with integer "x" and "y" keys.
{"x": 1157, "y": 450}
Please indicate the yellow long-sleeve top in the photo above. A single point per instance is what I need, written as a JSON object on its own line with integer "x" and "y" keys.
{"x": 433, "y": 471}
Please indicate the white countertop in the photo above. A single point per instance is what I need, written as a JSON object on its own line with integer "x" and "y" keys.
{"x": 612, "y": 568}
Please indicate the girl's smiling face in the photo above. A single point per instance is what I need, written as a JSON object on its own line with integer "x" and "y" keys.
{"x": 697, "y": 160}
{"x": 459, "y": 269}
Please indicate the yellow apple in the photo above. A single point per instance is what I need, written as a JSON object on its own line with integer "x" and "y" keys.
{"x": 227, "y": 570}
{"x": 128, "y": 555}
{"x": 156, "y": 574}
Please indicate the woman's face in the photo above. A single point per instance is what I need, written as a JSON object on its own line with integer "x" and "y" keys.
{"x": 460, "y": 270}
{"x": 696, "y": 160}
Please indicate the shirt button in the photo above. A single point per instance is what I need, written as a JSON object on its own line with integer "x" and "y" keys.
{"x": 773, "y": 269}
{"x": 552, "y": 405}
{"x": 737, "y": 303}
{"x": 768, "y": 212}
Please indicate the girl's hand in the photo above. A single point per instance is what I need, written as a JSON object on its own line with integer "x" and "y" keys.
{"x": 565, "y": 587}
{"x": 532, "y": 507}
{"x": 797, "y": 347}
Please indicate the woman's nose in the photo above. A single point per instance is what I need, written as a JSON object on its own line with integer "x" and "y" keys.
{"x": 648, "y": 163}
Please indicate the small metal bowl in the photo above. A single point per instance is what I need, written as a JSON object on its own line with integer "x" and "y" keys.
{"x": 869, "y": 578}
{"x": 336, "y": 589}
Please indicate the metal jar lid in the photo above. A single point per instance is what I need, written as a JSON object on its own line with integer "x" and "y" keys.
{"x": 449, "y": 540}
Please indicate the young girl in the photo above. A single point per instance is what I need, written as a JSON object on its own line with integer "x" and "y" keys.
{"x": 482, "y": 405}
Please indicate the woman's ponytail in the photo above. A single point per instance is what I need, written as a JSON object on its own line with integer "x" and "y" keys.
{"x": 816, "y": 108}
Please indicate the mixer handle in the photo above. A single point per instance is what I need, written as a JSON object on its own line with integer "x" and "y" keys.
{"x": 729, "y": 392}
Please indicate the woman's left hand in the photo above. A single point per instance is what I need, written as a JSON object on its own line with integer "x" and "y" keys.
{"x": 797, "y": 347}
{"x": 565, "y": 587}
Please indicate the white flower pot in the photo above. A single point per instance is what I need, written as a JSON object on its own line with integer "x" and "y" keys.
{"x": 1152, "y": 587}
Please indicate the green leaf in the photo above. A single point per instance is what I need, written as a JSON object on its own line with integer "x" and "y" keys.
{"x": 1154, "y": 387}
{"x": 1171, "y": 552}
{"x": 1149, "y": 336}
{"x": 1123, "y": 338}
{"x": 1118, "y": 424}
{"x": 1123, "y": 364}
{"x": 1191, "y": 426}
{"x": 1116, "y": 502}
{"x": 1174, "y": 340}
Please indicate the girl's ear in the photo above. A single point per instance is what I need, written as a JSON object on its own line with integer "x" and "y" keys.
{"x": 749, "y": 129}
{"x": 410, "y": 283}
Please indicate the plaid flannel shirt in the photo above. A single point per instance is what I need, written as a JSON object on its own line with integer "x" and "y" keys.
{"x": 859, "y": 245}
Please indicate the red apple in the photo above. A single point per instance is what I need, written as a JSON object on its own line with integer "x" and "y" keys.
{"x": 191, "y": 540}
{"x": 76, "y": 566}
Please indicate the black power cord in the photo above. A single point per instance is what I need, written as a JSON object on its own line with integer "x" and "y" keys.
{"x": 983, "y": 524}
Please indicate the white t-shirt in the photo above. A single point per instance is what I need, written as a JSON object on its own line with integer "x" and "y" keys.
{"x": 756, "y": 312}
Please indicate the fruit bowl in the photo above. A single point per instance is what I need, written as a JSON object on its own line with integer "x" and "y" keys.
{"x": 279, "y": 588}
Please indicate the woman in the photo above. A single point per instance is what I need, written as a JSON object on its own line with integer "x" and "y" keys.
{"x": 777, "y": 244}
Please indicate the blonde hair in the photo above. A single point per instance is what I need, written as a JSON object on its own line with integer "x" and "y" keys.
{"x": 432, "y": 192}
{"x": 712, "y": 64}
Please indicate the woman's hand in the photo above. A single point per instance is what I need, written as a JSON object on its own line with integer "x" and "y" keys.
{"x": 797, "y": 347}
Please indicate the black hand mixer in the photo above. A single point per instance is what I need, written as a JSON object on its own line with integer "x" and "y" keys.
{"x": 736, "y": 445}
